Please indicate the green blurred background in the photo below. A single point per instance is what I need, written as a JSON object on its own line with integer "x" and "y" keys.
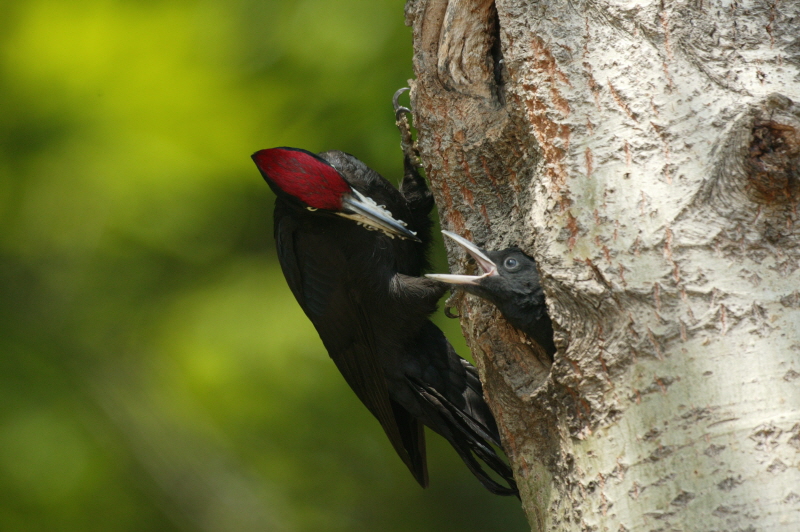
{"x": 156, "y": 373}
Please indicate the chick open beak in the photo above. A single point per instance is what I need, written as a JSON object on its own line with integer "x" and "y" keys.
{"x": 489, "y": 268}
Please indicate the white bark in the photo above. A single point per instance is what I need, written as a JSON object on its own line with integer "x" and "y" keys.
{"x": 647, "y": 154}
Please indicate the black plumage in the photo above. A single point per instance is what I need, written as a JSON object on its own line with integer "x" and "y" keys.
{"x": 352, "y": 248}
{"x": 511, "y": 282}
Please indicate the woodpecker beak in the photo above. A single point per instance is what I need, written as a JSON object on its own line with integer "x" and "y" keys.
{"x": 366, "y": 212}
{"x": 489, "y": 268}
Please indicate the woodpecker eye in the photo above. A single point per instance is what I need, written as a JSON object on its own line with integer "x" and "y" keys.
{"x": 511, "y": 264}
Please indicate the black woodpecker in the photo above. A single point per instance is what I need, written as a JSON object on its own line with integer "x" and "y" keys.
{"x": 353, "y": 248}
{"x": 510, "y": 281}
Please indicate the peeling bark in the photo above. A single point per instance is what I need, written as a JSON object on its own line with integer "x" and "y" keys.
{"x": 647, "y": 154}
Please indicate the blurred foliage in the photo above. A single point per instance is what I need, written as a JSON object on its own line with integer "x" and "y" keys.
{"x": 156, "y": 373}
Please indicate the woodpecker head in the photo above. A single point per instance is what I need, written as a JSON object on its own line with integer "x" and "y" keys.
{"x": 317, "y": 185}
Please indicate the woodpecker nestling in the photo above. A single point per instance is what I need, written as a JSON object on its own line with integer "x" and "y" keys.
{"x": 510, "y": 281}
{"x": 352, "y": 248}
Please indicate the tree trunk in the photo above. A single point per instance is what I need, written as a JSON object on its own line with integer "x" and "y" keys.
{"x": 647, "y": 155}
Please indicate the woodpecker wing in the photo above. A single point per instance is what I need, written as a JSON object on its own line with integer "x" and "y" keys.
{"x": 312, "y": 264}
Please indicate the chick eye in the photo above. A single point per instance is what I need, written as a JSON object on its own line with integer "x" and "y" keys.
{"x": 511, "y": 263}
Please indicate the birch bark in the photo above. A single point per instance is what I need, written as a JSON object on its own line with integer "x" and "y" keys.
{"x": 647, "y": 154}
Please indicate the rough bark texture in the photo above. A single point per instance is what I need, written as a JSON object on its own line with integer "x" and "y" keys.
{"x": 647, "y": 154}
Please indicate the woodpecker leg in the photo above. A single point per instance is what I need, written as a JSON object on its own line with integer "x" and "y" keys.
{"x": 401, "y": 120}
{"x": 418, "y": 290}
{"x": 413, "y": 187}
{"x": 452, "y": 302}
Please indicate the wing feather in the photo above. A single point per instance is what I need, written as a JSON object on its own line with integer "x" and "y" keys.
{"x": 312, "y": 265}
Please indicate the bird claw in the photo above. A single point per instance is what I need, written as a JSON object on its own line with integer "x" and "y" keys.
{"x": 396, "y": 101}
{"x": 399, "y": 110}
{"x": 452, "y": 303}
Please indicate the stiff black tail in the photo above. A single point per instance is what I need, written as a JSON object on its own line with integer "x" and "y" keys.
{"x": 470, "y": 438}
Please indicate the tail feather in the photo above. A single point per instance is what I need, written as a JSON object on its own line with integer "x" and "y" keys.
{"x": 413, "y": 437}
{"x": 459, "y": 417}
{"x": 489, "y": 483}
{"x": 469, "y": 437}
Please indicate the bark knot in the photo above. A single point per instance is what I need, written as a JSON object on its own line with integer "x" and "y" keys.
{"x": 773, "y": 163}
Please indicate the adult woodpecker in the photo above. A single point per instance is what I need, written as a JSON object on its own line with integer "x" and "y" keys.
{"x": 352, "y": 248}
{"x": 510, "y": 281}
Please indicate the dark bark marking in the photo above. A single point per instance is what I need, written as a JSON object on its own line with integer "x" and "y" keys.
{"x": 572, "y": 226}
{"x": 485, "y": 214}
{"x": 544, "y": 62}
{"x": 468, "y": 197}
{"x": 546, "y": 130}
{"x": 620, "y": 102}
{"x": 593, "y": 86}
{"x": 627, "y": 153}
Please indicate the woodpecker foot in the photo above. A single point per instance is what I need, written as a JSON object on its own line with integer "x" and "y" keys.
{"x": 401, "y": 114}
{"x": 452, "y": 303}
